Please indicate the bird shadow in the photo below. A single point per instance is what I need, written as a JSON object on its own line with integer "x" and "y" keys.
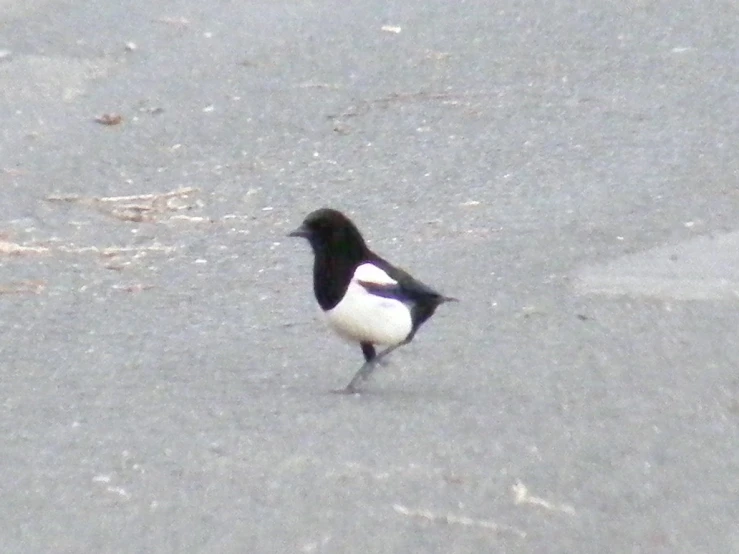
{"x": 370, "y": 394}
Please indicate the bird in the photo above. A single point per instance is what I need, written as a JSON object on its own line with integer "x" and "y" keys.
{"x": 365, "y": 299}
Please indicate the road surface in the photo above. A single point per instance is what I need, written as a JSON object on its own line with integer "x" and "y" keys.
{"x": 569, "y": 170}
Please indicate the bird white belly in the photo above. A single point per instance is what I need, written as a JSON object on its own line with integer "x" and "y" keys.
{"x": 365, "y": 317}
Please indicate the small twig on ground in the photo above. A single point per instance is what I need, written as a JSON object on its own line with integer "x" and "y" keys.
{"x": 12, "y": 171}
{"x": 150, "y": 196}
{"x": 192, "y": 218}
{"x": 136, "y": 207}
{"x": 451, "y": 519}
{"x": 185, "y": 191}
{"x": 109, "y": 119}
{"x": 521, "y": 496}
{"x": 115, "y": 250}
{"x": 14, "y": 249}
{"x": 133, "y": 287}
{"x": 23, "y": 287}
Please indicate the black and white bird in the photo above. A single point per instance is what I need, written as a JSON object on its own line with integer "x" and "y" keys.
{"x": 365, "y": 298}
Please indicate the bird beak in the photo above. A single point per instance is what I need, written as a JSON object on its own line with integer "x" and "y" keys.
{"x": 301, "y": 231}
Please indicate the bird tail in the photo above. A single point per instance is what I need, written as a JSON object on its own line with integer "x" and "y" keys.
{"x": 443, "y": 299}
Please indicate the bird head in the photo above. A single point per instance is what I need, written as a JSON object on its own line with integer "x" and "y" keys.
{"x": 330, "y": 229}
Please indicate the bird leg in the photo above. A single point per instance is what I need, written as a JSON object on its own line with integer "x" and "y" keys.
{"x": 368, "y": 367}
{"x": 368, "y": 349}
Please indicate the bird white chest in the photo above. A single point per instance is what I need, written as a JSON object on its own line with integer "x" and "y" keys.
{"x": 365, "y": 317}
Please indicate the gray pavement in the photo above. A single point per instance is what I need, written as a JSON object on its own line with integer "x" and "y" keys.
{"x": 569, "y": 170}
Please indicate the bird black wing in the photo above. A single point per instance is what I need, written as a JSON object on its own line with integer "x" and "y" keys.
{"x": 406, "y": 287}
{"x": 421, "y": 299}
{"x": 386, "y": 290}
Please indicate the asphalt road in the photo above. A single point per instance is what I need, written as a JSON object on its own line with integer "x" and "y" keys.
{"x": 569, "y": 170}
